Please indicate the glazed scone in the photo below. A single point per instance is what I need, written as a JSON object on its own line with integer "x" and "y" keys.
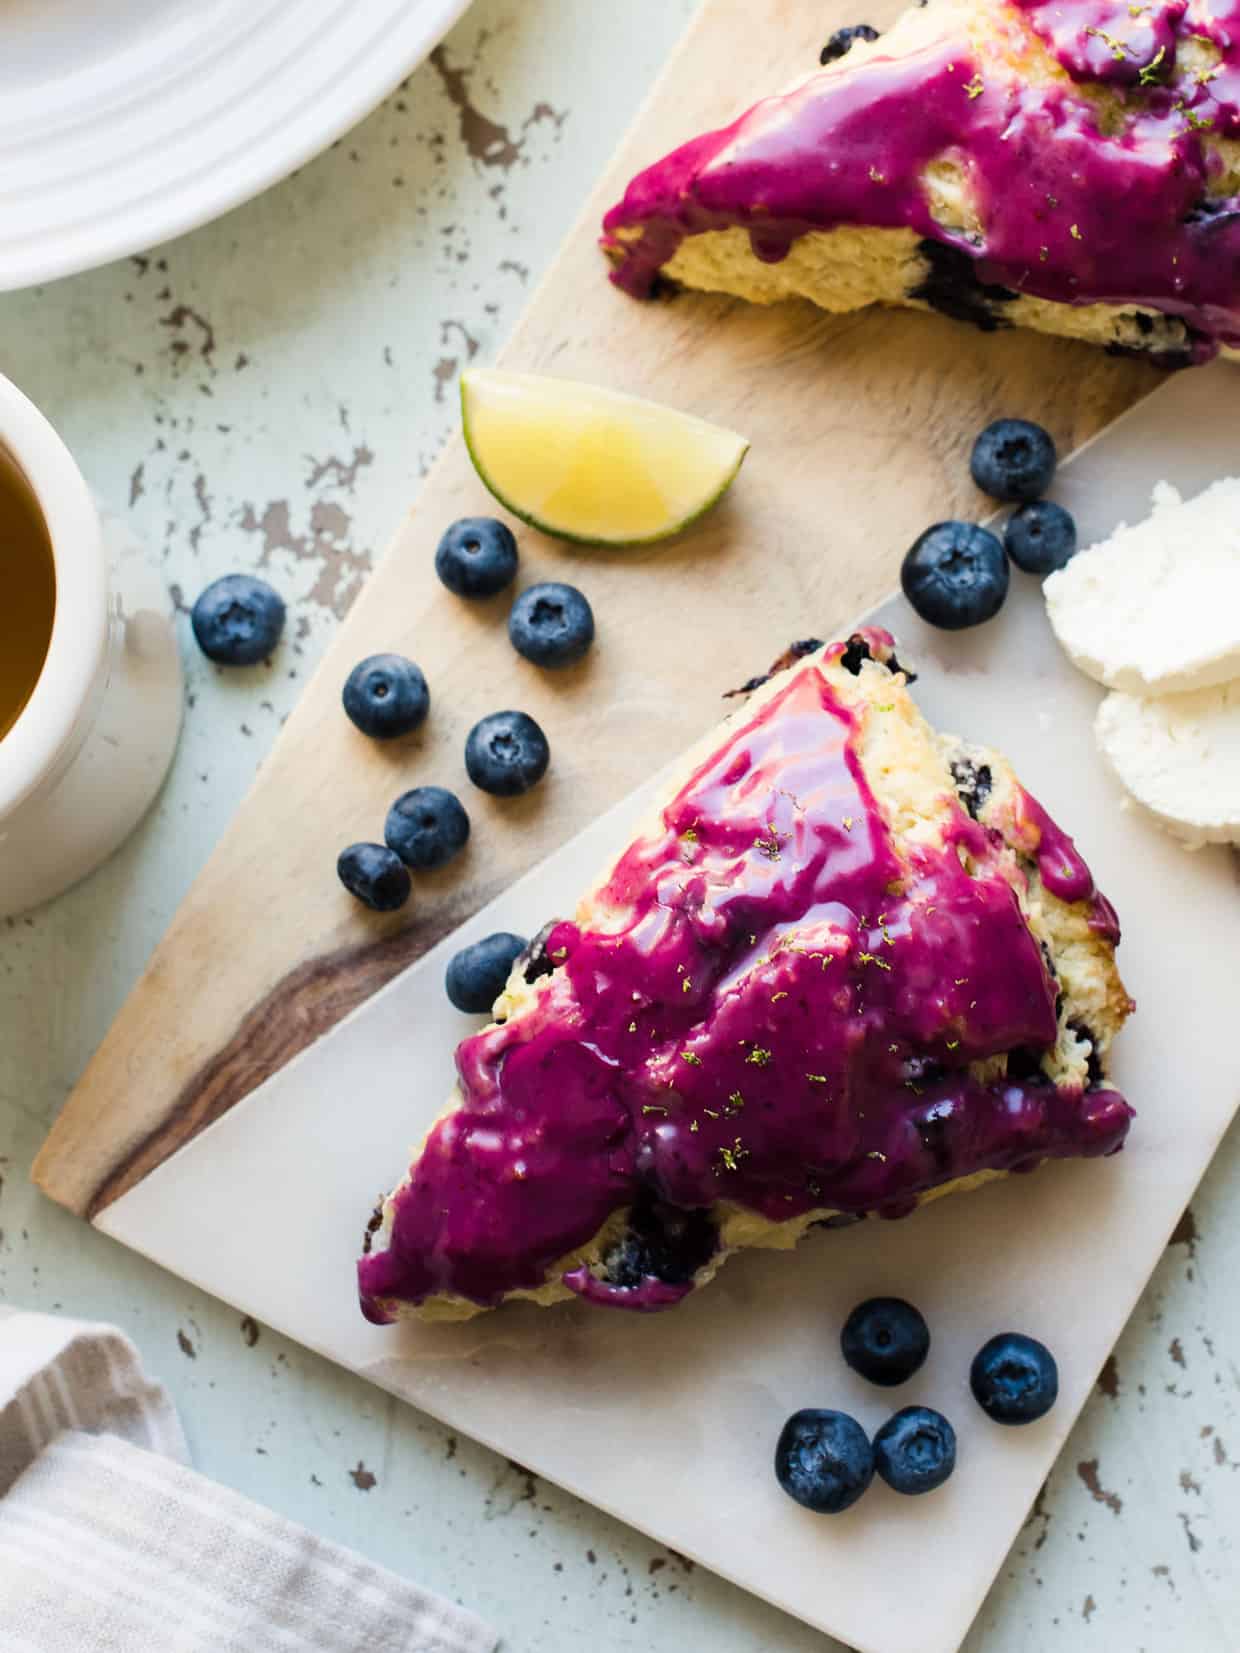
{"x": 1179, "y": 758}
{"x": 846, "y": 965}
{"x": 1155, "y": 609}
{"x": 1067, "y": 165}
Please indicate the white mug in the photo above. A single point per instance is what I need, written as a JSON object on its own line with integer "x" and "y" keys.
{"x": 90, "y": 749}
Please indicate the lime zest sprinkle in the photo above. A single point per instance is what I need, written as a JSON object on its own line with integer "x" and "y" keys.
{"x": 1119, "y": 51}
{"x": 975, "y": 87}
{"x": 731, "y": 1157}
{"x": 758, "y": 1057}
{"x": 691, "y": 1057}
{"x": 1074, "y": 230}
{"x": 768, "y": 846}
{"x": 652, "y": 1107}
{"x": 816, "y": 1078}
{"x": 776, "y": 997}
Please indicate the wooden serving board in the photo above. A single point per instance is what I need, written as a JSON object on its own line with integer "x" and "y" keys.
{"x": 860, "y": 428}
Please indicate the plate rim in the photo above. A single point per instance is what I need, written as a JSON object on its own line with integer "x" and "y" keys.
{"x": 150, "y": 219}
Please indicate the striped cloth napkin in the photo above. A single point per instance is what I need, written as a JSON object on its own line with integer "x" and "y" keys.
{"x": 110, "y": 1543}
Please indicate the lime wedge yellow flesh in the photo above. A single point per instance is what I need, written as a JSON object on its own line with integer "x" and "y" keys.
{"x": 584, "y": 463}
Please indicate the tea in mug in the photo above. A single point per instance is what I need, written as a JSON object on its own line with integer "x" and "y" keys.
{"x": 27, "y": 592}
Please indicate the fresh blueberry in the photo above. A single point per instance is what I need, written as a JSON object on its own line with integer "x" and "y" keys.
{"x": 886, "y": 1340}
{"x": 824, "y": 1460}
{"x": 238, "y": 620}
{"x": 476, "y": 975}
{"x": 841, "y": 41}
{"x": 956, "y": 575}
{"x": 1014, "y": 1378}
{"x": 477, "y": 557}
{"x": 1013, "y": 459}
{"x": 386, "y": 696}
{"x": 506, "y": 754}
{"x": 376, "y": 875}
{"x": 426, "y": 827}
{"x": 1040, "y": 537}
{"x": 916, "y": 1450}
{"x": 551, "y": 624}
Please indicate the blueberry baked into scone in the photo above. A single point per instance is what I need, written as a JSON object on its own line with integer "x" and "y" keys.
{"x": 1067, "y": 165}
{"x": 846, "y": 965}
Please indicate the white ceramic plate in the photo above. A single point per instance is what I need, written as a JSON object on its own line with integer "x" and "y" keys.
{"x": 125, "y": 122}
{"x": 669, "y": 1421}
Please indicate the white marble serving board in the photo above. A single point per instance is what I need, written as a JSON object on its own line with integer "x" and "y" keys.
{"x": 669, "y": 1421}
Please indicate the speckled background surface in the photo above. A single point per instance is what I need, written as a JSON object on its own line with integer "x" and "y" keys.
{"x": 266, "y": 394}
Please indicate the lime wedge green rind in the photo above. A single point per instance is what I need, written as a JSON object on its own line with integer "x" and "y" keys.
{"x": 583, "y": 463}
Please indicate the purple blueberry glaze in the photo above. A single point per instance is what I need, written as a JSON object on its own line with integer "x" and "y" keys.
{"x": 1071, "y": 213}
{"x": 651, "y": 1295}
{"x": 1114, "y": 41}
{"x": 773, "y": 1008}
{"x": 1063, "y": 870}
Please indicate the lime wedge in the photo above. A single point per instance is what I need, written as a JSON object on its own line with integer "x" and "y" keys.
{"x": 583, "y": 463}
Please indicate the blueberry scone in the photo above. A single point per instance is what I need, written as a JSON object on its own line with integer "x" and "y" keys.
{"x": 1067, "y": 165}
{"x": 846, "y": 965}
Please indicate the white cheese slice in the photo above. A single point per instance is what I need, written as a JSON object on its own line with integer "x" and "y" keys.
{"x": 1155, "y": 609}
{"x": 1179, "y": 757}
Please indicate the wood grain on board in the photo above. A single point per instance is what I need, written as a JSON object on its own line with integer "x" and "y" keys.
{"x": 860, "y": 426}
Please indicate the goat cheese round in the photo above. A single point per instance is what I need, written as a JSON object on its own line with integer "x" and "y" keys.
{"x": 1155, "y": 609}
{"x": 1179, "y": 757}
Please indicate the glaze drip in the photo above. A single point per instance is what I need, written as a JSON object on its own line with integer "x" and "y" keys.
{"x": 774, "y": 1008}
